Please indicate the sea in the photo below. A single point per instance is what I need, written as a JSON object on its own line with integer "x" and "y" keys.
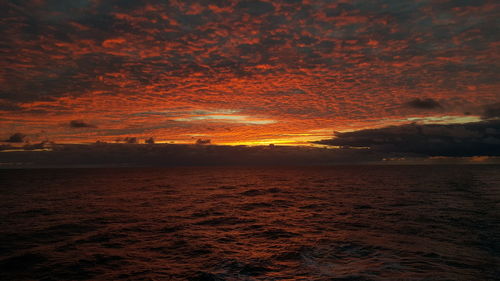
{"x": 428, "y": 222}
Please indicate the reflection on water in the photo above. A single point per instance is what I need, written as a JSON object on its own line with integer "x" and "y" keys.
{"x": 314, "y": 223}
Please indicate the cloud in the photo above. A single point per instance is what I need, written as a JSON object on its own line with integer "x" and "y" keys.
{"x": 304, "y": 64}
{"x": 457, "y": 140}
{"x": 16, "y": 138}
{"x": 491, "y": 111}
{"x": 203, "y": 141}
{"x": 107, "y": 154}
{"x": 80, "y": 124}
{"x": 8, "y": 106}
{"x": 255, "y": 7}
{"x": 40, "y": 145}
{"x": 130, "y": 140}
{"x": 5, "y": 147}
{"x": 427, "y": 103}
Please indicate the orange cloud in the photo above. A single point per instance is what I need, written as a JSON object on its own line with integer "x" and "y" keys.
{"x": 283, "y": 68}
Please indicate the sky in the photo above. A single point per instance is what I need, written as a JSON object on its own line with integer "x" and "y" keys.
{"x": 248, "y": 72}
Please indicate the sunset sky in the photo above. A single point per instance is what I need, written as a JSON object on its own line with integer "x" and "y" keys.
{"x": 243, "y": 72}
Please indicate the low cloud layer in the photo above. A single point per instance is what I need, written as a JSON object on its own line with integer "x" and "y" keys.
{"x": 126, "y": 154}
{"x": 457, "y": 140}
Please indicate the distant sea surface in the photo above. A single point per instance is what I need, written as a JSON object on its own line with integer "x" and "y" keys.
{"x": 242, "y": 223}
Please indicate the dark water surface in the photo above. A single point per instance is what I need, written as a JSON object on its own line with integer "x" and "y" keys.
{"x": 226, "y": 223}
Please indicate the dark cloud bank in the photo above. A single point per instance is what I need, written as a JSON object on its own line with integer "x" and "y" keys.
{"x": 415, "y": 144}
{"x": 455, "y": 140}
{"x": 132, "y": 154}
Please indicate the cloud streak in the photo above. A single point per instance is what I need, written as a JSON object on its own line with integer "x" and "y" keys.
{"x": 80, "y": 124}
{"x": 425, "y": 104}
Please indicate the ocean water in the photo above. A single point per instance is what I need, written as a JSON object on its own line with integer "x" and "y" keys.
{"x": 228, "y": 223}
